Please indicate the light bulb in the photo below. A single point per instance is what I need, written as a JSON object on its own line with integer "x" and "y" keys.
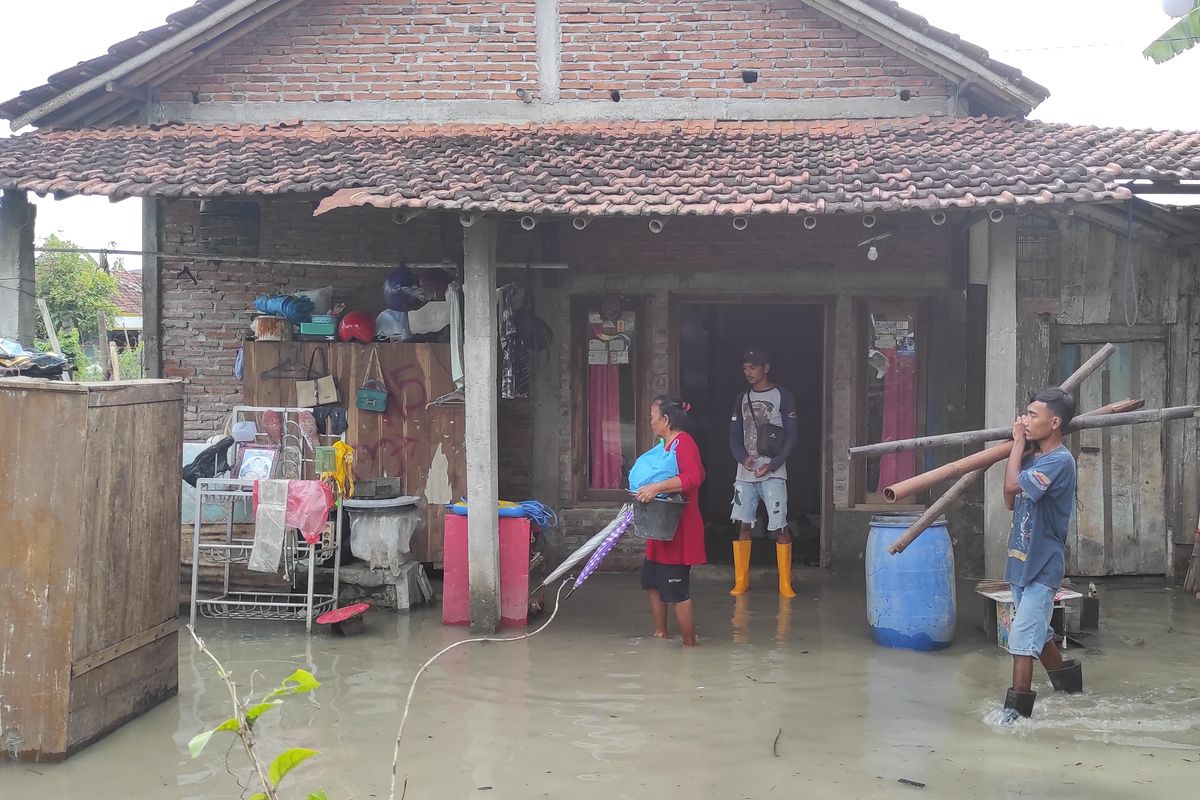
{"x": 872, "y": 253}
{"x": 1177, "y": 8}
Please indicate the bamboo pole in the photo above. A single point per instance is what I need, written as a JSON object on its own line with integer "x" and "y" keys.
{"x": 960, "y": 487}
{"x": 992, "y": 434}
{"x": 987, "y": 434}
{"x": 1092, "y": 420}
{"x": 981, "y": 460}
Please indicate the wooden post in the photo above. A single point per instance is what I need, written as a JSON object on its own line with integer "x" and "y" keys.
{"x": 480, "y": 370}
{"x": 1000, "y": 403}
{"x": 151, "y": 292}
{"x": 18, "y": 285}
{"x": 102, "y": 346}
{"x": 114, "y": 360}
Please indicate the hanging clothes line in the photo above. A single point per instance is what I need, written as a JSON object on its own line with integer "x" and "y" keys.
{"x": 299, "y": 262}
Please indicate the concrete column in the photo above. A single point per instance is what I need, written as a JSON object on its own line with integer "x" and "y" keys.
{"x": 151, "y": 291}
{"x": 480, "y": 345}
{"x": 18, "y": 306}
{"x": 548, "y": 24}
{"x": 1000, "y": 406}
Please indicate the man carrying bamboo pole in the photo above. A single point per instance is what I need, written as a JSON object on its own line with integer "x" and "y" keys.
{"x": 1039, "y": 488}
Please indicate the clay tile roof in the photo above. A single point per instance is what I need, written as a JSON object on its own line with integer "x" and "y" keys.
{"x": 129, "y": 291}
{"x": 691, "y": 168}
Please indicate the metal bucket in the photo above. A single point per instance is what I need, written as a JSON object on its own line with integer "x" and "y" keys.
{"x": 659, "y": 518}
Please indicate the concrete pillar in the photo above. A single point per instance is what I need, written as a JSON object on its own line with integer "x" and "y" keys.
{"x": 151, "y": 291}
{"x": 18, "y": 295}
{"x": 1000, "y": 403}
{"x": 548, "y": 25}
{"x": 480, "y": 346}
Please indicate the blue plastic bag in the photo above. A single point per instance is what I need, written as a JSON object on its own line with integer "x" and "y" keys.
{"x": 654, "y": 465}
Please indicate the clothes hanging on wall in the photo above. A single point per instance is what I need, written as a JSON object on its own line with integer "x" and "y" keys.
{"x": 456, "y": 333}
{"x": 515, "y": 371}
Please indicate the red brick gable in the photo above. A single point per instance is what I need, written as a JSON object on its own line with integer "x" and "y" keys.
{"x": 700, "y": 48}
{"x": 335, "y": 50}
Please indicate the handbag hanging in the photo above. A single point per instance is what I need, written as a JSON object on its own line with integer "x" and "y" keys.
{"x": 769, "y": 437}
{"x": 321, "y": 391}
{"x": 372, "y": 395}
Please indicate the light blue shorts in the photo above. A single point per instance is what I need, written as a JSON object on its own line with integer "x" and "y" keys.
{"x": 772, "y": 493}
{"x": 1031, "y": 623}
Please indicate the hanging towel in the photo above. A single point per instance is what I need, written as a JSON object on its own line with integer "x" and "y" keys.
{"x": 269, "y": 526}
{"x": 456, "y": 333}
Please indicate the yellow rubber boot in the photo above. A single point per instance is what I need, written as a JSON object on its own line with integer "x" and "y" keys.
{"x": 783, "y": 557}
{"x": 741, "y": 567}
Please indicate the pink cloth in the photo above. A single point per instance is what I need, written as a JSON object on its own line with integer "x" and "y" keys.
{"x": 604, "y": 425}
{"x": 899, "y": 417}
{"x": 308, "y": 504}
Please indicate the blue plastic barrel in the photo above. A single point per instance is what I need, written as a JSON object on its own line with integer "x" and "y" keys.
{"x": 910, "y": 596}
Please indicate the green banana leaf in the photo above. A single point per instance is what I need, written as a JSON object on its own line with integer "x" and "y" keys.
{"x": 1182, "y": 36}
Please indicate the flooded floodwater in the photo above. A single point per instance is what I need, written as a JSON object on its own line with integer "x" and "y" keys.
{"x": 786, "y": 699}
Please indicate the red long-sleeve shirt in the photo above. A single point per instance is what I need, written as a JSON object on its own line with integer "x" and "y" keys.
{"x": 688, "y": 545}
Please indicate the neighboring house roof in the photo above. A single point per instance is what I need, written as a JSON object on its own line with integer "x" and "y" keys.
{"x": 614, "y": 168}
{"x": 129, "y": 291}
{"x": 115, "y": 86}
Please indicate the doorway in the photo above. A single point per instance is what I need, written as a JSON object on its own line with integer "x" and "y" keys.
{"x": 711, "y": 337}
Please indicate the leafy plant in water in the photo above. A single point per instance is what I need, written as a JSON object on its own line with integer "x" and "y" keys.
{"x": 242, "y": 724}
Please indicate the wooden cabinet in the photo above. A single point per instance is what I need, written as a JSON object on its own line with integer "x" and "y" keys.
{"x": 89, "y": 552}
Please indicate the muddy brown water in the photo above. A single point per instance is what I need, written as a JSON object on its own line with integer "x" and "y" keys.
{"x": 783, "y": 699}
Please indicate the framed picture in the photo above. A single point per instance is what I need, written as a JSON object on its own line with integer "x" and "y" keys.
{"x": 256, "y": 462}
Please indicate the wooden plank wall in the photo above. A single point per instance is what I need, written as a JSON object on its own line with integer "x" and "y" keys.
{"x": 127, "y": 567}
{"x": 1072, "y": 278}
{"x": 92, "y": 542}
{"x": 402, "y": 441}
{"x": 42, "y": 510}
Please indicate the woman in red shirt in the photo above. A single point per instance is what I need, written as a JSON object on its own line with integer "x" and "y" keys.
{"x": 667, "y": 568}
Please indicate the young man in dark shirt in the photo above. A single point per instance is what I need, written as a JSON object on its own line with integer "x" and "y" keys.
{"x": 762, "y": 434}
{"x": 1039, "y": 488}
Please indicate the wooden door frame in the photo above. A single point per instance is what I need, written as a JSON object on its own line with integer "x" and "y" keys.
{"x": 826, "y": 303}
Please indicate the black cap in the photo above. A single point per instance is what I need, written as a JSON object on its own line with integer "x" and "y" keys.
{"x": 756, "y": 356}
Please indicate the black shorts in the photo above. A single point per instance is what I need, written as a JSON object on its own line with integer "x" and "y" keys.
{"x": 673, "y": 581}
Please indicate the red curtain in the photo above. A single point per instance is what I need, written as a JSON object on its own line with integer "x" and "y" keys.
{"x": 899, "y": 416}
{"x": 604, "y": 425}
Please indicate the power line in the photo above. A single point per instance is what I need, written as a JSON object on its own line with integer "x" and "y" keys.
{"x": 1086, "y": 45}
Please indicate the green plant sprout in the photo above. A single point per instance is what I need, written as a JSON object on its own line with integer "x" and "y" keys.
{"x": 242, "y": 724}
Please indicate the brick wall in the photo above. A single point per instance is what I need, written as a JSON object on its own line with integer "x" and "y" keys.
{"x": 700, "y": 48}
{"x": 205, "y": 322}
{"x": 337, "y": 50}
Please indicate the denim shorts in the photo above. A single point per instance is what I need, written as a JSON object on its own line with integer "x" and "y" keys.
{"x": 1031, "y": 623}
{"x": 771, "y": 492}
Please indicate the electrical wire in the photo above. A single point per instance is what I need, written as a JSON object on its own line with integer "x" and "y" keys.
{"x": 413, "y": 688}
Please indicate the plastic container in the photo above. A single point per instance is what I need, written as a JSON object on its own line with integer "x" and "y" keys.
{"x": 911, "y": 600}
{"x": 659, "y": 518}
{"x": 315, "y": 328}
{"x": 514, "y": 572}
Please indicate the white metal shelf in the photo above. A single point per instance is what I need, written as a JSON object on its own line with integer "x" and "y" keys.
{"x": 228, "y": 604}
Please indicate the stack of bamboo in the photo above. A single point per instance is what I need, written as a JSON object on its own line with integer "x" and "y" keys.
{"x": 969, "y": 469}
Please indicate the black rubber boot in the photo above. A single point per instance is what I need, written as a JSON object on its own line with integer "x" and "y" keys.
{"x": 1018, "y": 703}
{"x": 1068, "y": 679}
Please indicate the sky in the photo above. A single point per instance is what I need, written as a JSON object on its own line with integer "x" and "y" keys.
{"x": 1087, "y": 52}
